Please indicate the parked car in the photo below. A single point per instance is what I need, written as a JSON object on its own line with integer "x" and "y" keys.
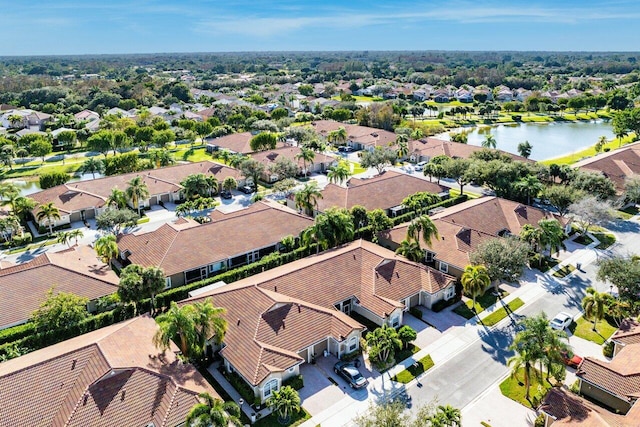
{"x": 345, "y": 149}
{"x": 225, "y": 194}
{"x": 349, "y": 372}
{"x": 420, "y": 166}
{"x": 571, "y": 359}
{"x": 561, "y": 321}
{"x": 247, "y": 189}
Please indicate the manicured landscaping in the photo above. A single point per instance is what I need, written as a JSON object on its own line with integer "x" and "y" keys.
{"x": 564, "y": 271}
{"x": 297, "y": 418}
{"x": 583, "y": 328}
{"x": 628, "y": 212}
{"x": 583, "y": 239}
{"x": 500, "y": 314}
{"x": 513, "y": 388}
{"x": 421, "y": 366}
{"x": 406, "y": 353}
{"x": 606, "y": 240}
{"x": 467, "y": 310}
{"x": 589, "y": 152}
{"x": 546, "y": 264}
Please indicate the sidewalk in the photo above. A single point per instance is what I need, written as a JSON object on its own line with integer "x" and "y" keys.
{"x": 451, "y": 342}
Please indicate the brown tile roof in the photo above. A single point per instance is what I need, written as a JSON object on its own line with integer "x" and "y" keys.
{"x": 267, "y": 329}
{"x": 112, "y": 376}
{"x": 620, "y": 377}
{"x": 617, "y": 165}
{"x": 628, "y": 332}
{"x": 432, "y": 147}
{"x": 178, "y": 249}
{"x": 269, "y": 157}
{"x": 23, "y": 287}
{"x": 360, "y": 134}
{"x": 382, "y": 191}
{"x": 79, "y": 195}
{"x": 237, "y": 142}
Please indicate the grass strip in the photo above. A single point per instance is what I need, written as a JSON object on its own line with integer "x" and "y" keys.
{"x": 500, "y": 314}
{"x": 421, "y": 366}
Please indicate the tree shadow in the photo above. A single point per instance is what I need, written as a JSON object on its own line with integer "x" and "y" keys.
{"x": 496, "y": 342}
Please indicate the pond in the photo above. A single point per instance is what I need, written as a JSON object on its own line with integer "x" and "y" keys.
{"x": 30, "y": 187}
{"x": 548, "y": 140}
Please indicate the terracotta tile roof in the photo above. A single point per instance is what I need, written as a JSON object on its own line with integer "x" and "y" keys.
{"x": 237, "y": 142}
{"x": 617, "y": 165}
{"x": 178, "y": 249}
{"x": 267, "y": 329}
{"x": 620, "y": 377}
{"x": 628, "y": 332}
{"x": 23, "y": 287}
{"x": 269, "y": 157}
{"x": 67, "y": 199}
{"x": 432, "y": 147}
{"x": 360, "y": 134}
{"x": 112, "y": 376}
{"x": 382, "y": 191}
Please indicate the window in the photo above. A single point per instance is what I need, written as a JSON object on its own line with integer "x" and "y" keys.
{"x": 449, "y": 292}
{"x": 395, "y": 321}
{"x": 353, "y": 344}
{"x": 429, "y": 256}
{"x": 269, "y": 388}
{"x": 444, "y": 267}
{"x": 167, "y": 283}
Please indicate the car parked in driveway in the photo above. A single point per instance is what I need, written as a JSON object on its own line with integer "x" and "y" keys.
{"x": 349, "y": 372}
{"x": 420, "y": 166}
{"x": 246, "y": 189}
{"x": 561, "y": 321}
{"x": 571, "y": 359}
{"x": 226, "y": 194}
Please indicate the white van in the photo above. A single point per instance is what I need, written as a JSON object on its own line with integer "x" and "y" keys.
{"x": 420, "y": 166}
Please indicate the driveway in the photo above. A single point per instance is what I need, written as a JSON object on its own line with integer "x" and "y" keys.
{"x": 237, "y": 202}
{"x": 426, "y": 333}
{"x": 318, "y": 392}
{"x": 444, "y": 320}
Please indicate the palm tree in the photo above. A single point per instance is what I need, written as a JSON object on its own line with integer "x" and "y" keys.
{"x": 402, "y": 141}
{"x": 524, "y": 148}
{"x": 285, "y": 402}
{"x": 529, "y": 186}
{"x": 107, "y": 248}
{"x": 602, "y": 141}
{"x": 153, "y": 281}
{"x": 489, "y": 142}
{"x": 450, "y": 415}
{"x": 117, "y": 198}
{"x": 411, "y": 250}
{"x": 339, "y": 136}
{"x": 522, "y": 361}
{"x": 20, "y": 205}
{"x": 212, "y": 412}
{"x": 339, "y": 173}
{"x": 229, "y": 183}
{"x": 64, "y": 238}
{"x": 551, "y": 235}
{"x": 92, "y": 165}
{"x": 307, "y": 198}
{"x": 209, "y": 323}
{"x": 177, "y": 325}
{"x": 593, "y": 305}
{"x": 48, "y": 211}
{"x": 75, "y": 234}
{"x": 334, "y": 227}
{"x": 475, "y": 281}
{"x": 7, "y": 153}
{"x": 382, "y": 343}
{"x": 422, "y": 225}
{"x": 137, "y": 191}
{"x": 306, "y": 155}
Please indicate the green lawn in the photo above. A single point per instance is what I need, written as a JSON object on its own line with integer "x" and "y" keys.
{"x": 406, "y": 353}
{"x": 466, "y": 310}
{"x": 583, "y": 328}
{"x": 628, "y": 212}
{"x": 588, "y": 152}
{"x": 514, "y": 389}
{"x": 500, "y": 314}
{"x": 606, "y": 240}
{"x": 564, "y": 271}
{"x": 583, "y": 239}
{"x": 272, "y": 420}
{"x": 546, "y": 265}
{"x": 423, "y": 365}
{"x": 357, "y": 168}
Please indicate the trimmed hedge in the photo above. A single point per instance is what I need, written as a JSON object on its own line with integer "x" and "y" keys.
{"x": 295, "y": 382}
{"x": 16, "y": 332}
{"x": 441, "y": 304}
{"x": 415, "y": 312}
{"x": 406, "y": 217}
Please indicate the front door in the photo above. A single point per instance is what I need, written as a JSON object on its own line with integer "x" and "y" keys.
{"x": 346, "y": 307}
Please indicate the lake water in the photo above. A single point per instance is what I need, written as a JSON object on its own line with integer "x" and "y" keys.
{"x": 548, "y": 140}
{"x": 30, "y": 187}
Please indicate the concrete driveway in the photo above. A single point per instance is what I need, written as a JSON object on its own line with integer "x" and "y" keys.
{"x": 444, "y": 320}
{"x": 239, "y": 201}
{"x": 426, "y": 334}
{"x": 318, "y": 392}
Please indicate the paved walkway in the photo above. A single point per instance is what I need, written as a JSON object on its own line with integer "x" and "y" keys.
{"x": 533, "y": 285}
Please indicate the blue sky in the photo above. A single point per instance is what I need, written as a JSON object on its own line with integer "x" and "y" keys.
{"x": 118, "y": 26}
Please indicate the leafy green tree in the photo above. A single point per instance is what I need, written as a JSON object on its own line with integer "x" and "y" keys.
{"x": 114, "y": 220}
{"x": 67, "y": 139}
{"x": 202, "y": 129}
{"x": 386, "y": 414}
{"x": 229, "y": 183}
{"x": 284, "y": 402}
{"x": 475, "y": 280}
{"x": 379, "y": 158}
{"x": 407, "y": 335}
{"x": 40, "y": 148}
{"x": 332, "y": 228}
{"x": 623, "y": 272}
{"x": 101, "y": 141}
{"x": 632, "y": 189}
{"x": 594, "y": 184}
{"x": 338, "y": 136}
{"x": 529, "y": 186}
{"x": 59, "y": 310}
{"x": 457, "y": 169}
{"x": 504, "y": 258}
{"x": 420, "y": 201}
{"x": 49, "y": 212}
{"x": 92, "y": 166}
{"x": 263, "y": 141}
{"x": 137, "y": 191}
{"x": 199, "y": 185}
{"x": 561, "y": 197}
{"x": 593, "y": 305}
{"x": 284, "y": 168}
{"x": 382, "y": 343}
{"x": 251, "y": 168}
{"x": 552, "y": 235}
{"x": 52, "y": 179}
{"x": 378, "y": 220}
{"x": 212, "y": 412}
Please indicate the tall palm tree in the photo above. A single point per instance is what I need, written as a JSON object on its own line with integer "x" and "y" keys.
{"x": 422, "y": 226}
{"x": 339, "y": 173}
{"x": 306, "y": 155}
{"x": 137, "y": 191}
{"x": 411, "y": 250}
{"x": 107, "y": 248}
{"x": 153, "y": 281}
{"x": 522, "y": 361}
{"x": 92, "y": 165}
{"x": 177, "y": 325}
{"x": 450, "y": 415}
{"x": 209, "y": 323}
{"x": 475, "y": 281}
{"x": 529, "y": 186}
{"x": 117, "y": 198}
{"x": 49, "y": 212}
{"x": 76, "y": 234}
{"x": 402, "y": 141}
{"x": 551, "y": 235}
{"x": 21, "y": 206}
{"x": 489, "y": 142}
{"x": 285, "y": 402}
{"x": 593, "y": 305}
{"x": 212, "y": 412}
{"x": 307, "y": 198}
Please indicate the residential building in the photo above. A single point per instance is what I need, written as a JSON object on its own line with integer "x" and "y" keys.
{"x": 627, "y": 334}
{"x": 87, "y": 115}
{"x": 235, "y": 143}
{"x": 294, "y": 313}
{"x": 188, "y": 251}
{"x": 358, "y": 137}
{"x": 428, "y": 148}
{"x": 28, "y": 119}
{"x": 268, "y": 158}
{"x": 78, "y": 270}
{"x": 617, "y": 165}
{"x": 112, "y": 376}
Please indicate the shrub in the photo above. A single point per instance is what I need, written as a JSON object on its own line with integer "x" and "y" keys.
{"x": 296, "y": 382}
{"x": 442, "y": 304}
{"x": 348, "y": 357}
{"x": 240, "y": 385}
{"x": 539, "y": 421}
{"x": 17, "y": 332}
{"x": 575, "y": 387}
{"x": 606, "y": 149}
{"x": 607, "y": 349}
{"x": 416, "y": 312}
